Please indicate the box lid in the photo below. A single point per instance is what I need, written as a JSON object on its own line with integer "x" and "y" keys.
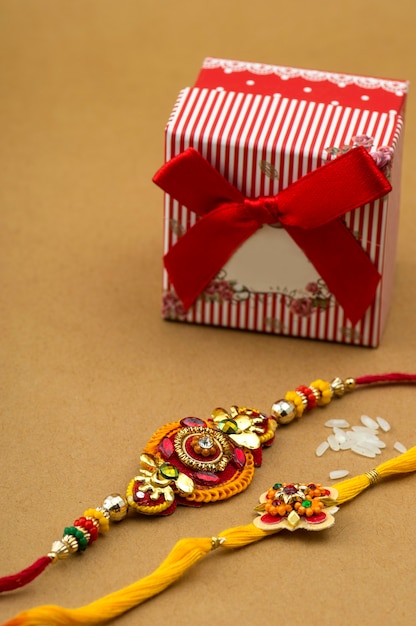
{"x": 347, "y": 90}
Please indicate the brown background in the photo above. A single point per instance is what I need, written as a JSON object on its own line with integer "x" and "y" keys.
{"x": 88, "y": 368}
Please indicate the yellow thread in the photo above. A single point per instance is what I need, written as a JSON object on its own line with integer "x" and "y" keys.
{"x": 183, "y": 556}
{"x": 402, "y": 464}
{"x": 325, "y": 391}
{"x": 186, "y": 553}
{"x": 241, "y": 536}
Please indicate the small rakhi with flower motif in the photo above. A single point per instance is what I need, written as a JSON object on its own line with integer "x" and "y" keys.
{"x": 194, "y": 462}
{"x": 297, "y": 505}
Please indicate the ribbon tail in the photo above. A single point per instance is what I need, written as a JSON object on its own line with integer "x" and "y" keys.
{"x": 345, "y": 267}
{"x": 202, "y": 251}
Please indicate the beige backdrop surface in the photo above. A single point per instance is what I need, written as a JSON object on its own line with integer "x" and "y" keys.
{"x": 88, "y": 368}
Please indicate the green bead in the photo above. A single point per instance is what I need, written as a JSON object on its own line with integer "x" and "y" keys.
{"x": 277, "y": 486}
{"x": 79, "y": 536}
{"x": 306, "y": 504}
{"x": 83, "y": 541}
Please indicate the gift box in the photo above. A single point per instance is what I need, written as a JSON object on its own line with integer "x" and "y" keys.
{"x": 282, "y": 192}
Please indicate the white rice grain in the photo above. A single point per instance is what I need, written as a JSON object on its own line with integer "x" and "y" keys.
{"x": 337, "y": 423}
{"x": 369, "y": 422}
{"x": 399, "y": 447}
{"x": 340, "y": 435}
{"x": 384, "y": 425}
{"x": 338, "y": 474}
{"x": 363, "y": 451}
{"x": 364, "y": 429}
{"x": 333, "y": 443}
{"x": 323, "y": 447}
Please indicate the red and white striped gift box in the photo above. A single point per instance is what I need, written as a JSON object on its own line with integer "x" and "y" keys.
{"x": 263, "y": 127}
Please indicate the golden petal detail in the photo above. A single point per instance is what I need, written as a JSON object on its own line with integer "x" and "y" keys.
{"x": 148, "y": 462}
{"x": 185, "y": 484}
{"x": 247, "y": 440}
{"x": 244, "y": 423}
{"x": 169, "y": 494}
{"x": 160, "y": 481}
{"x": 219, "y": 414}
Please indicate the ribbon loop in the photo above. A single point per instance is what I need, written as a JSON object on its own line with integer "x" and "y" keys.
{"x": 310, "y": 210}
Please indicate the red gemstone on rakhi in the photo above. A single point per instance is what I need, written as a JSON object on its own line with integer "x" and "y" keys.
{"x": 239, "y": 457}
{"x": 270, "y": 519}
{"x": 290, "y": 490}
{"x": 206, "y": 478}
{"x": 316, "y": 519}
{"x": 166, "y": 448}
{"x": 192, "y": 421}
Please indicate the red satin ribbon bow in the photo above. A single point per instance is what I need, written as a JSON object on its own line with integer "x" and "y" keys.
{"x": 309, "y": 210}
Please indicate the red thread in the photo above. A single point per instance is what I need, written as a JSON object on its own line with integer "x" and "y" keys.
{"x": 8, "y": 583}
{"x": 394, "y": 377}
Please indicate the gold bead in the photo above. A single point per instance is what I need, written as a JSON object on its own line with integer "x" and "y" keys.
{"x": 315, "y": 392}
{"x": 284, "y": 411}
{"x": 372, "y": 476}
{"x": 59, "y": 550}
{"x": 116, "y": 506}
{"x": 349, "y": 384}
{"x": 71, "y": 542}
{"x": 216, "y": 542}
{"x": 95, "y": 521}
{"x": 337, "y": 387}
{"x": 303, "y": 398}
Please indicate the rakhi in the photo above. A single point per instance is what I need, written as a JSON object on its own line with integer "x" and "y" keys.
{"x": 194, "y": 462}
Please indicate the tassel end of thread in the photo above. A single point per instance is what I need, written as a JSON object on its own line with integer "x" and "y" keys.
{"x": 15, "y": 581}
